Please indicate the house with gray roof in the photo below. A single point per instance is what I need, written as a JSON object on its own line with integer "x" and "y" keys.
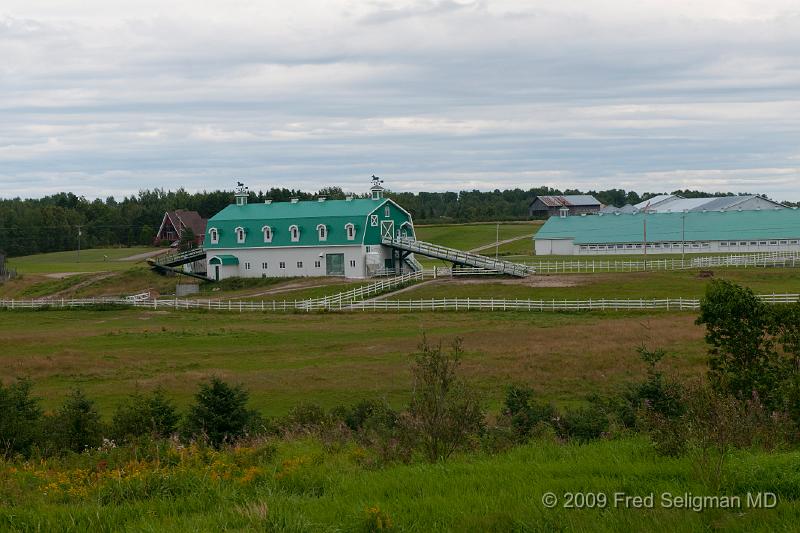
{"x": 571, "y": 204}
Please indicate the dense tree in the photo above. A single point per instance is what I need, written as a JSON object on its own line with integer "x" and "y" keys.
{"x": 51, "y": 224}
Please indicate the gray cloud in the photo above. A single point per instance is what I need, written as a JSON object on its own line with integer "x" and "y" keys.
{"x": 432, "y": 95}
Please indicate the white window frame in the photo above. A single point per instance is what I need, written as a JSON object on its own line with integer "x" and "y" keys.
{"x": 241, "y": 235}
{"x": 299, "y": 264}
{"x": 350, "y": 230}
{"x": 294, "y": 233}
{"x": 267, "y": 231}
{"x": 387, "y": 212}
{"x": 282, "y": 264}
{"x": 373, "y": 221}
{"x": 322, "y": 232}
{"x": 213, "y": 234}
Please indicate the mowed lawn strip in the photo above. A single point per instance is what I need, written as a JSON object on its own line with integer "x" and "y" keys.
{"x": 92, "y": 260}
{"x": 331, "y": 358}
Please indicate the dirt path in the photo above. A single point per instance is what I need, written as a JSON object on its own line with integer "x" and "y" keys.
{"x": 500, "y": 243}
{"x": 62, "y": 275}
{"x": 82, "y": 284}
{"x": 142, "y": 256}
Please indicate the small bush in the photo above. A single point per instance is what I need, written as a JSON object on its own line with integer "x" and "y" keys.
{"x": 584, "y": 423}
{"x": 523, "y": 414}
{"x": 220, "y": 413}
{"x": 76, "y": 425}
{"x": 20, "y": 418}
{"x": 444, "y": 414}
{"x": 142, "y": 415}
{"x": 306, "y": 416}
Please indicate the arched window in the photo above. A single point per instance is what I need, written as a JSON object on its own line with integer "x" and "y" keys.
{"x": 294, "y": 233}
{"x": 267, "y": 233}
{"x": 214, "y": 235}
{"x": 350, "y": 230}
{"x": 322, "y": 232}
{"x": 240, "y": 233}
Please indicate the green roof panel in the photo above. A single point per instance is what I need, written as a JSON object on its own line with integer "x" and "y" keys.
{"x": 224, "y": 259}
{"x": 666, "y": 227}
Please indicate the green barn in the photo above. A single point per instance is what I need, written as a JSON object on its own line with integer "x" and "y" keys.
{"x": 308, "y": 238}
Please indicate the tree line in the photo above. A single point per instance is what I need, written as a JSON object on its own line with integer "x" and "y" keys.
{"x": 53, "y": 223}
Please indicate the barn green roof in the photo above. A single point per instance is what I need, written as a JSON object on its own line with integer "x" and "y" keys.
{"x": 665, "y": 227}
{"x": 305, "y": 209}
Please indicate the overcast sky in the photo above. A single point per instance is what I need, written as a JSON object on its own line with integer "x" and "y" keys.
{"x": 651, "y": 95}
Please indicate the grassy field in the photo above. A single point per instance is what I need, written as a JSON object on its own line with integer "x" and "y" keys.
{"x": 95, "y": 260}
{"x": 677, "y": 284}
{"x": 302, "y": 486}
{"x": 469, "y": 236}
{"x": 331, "y": 358}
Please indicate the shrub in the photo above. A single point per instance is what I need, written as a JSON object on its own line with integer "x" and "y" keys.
{"x": 522, "y": 413}
{"x": 76, "y": 425}
{"x": 20, "y": 418}
{"x": 307, "y": 417}
{"x": 656, "y": 393}
{"x": 145, "y": 415}
{"x": 743, "y": 358}
{"x": 220, "y": 413}
{"x": 444, "y": 413}
{"x": 584, "y": 423}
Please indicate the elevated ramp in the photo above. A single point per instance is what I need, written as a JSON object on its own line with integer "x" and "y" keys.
{"x": 171, "y": 262}
{"x": 457, "y": 257}
{"x": 178, "y": 258}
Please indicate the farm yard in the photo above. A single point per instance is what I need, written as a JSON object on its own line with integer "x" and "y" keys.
{"x": 301, "y": 370}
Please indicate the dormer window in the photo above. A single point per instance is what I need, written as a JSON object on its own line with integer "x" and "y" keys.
{"x": 267, "y": 233}
{"x": 322, "y": 232}
{"x": 214, "y": 235}
{"x": 350, "y": 230}
{"x": 239, "y": 235}
{"x": 294, "y": 233}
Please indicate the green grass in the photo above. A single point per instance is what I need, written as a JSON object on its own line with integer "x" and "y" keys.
{"x": 331, "y": 358}
{"x": 469, "y": 236}
{"x": 46, "y": 288}
{"x": 94, "y": 260}
{"x": 678, "y": 284}
{"x": 302, "y": 486}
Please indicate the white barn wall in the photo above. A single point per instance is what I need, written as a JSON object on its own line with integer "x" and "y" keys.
{"x": 307, "y": 255}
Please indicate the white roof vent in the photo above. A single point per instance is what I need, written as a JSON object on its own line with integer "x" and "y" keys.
{"x": 616, "y": 214}
{"x": 321, "y": 199}
{"x": 349, "y": 198}
{"x": 268, "y": 201}
{"x": 294, "y": 200}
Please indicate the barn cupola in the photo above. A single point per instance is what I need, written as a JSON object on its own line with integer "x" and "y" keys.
{"x": 242, "y": 193}
{"x": 376, "y": 191}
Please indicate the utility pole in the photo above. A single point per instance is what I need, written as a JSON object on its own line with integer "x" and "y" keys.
{"x": 683, "y": 236}
{"x": 497, "y": 242}
{"x": 79, "y": 244}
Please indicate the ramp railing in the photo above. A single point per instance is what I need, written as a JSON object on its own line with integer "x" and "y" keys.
{"x": 458, "y": 257}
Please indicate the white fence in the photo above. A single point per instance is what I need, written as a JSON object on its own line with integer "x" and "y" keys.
{"x": 443, "y": 304}
{"x": 774, "y": 259}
